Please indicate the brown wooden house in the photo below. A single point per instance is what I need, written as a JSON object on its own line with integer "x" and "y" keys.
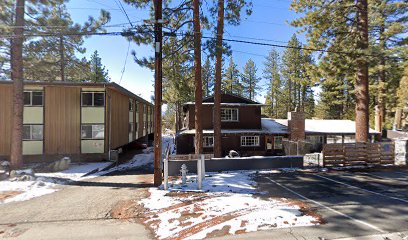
{"x": 244, "y": 130}
{"x": 81, "y": 120}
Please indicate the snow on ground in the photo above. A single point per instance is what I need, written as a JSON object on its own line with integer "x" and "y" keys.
{"x": 145, "y": 159}
{"x": 229, "y": 202}
{"x": 46, "y": 183}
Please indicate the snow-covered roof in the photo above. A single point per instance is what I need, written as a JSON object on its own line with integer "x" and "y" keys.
{"x": 313, "y": 126}
{"x": 225, "y": 131}
{"x": 280, "y": 126}
{"x": 228, "y": 104}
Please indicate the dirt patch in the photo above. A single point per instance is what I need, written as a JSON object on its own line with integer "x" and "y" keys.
{"x": 219, "y": 233}
{"x": 8, "y": 194}
{"x": 130, "y": 209}
{"x": 306, "y": 210}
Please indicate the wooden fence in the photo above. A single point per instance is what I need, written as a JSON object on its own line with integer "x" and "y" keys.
{"x": 358, "y": 154}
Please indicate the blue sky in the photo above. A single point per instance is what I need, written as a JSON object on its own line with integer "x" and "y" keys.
{"x": 269, "y": 21}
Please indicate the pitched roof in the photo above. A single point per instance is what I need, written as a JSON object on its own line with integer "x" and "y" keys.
{"x": 228, "y": 99}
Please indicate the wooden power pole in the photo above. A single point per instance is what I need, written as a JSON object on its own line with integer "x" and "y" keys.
{"x": 158, "y": 92}
{"x": 16, "y": 155}
{"x": 197, "y": 79}
{"x": 361, "y": 85}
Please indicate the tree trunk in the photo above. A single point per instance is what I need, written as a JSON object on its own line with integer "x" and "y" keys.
{"x": 16, "y": 155}
{"x": 361, "y": 86}
{"x": 62, "y": 58}
{"x": 381, "y": 81}
{"x": 217, "y": 87}
{"x": 197, "y": 79}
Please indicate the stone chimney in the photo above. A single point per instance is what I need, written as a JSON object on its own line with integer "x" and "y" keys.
{"x": 296, "y": 125}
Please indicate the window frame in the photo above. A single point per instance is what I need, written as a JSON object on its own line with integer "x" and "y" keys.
{"x": 274, "y": 142}
{"x": 31, "y": 132}
{"x": 205, "y": 139}
{"x": 93, "y": 98}
{"x": 231, "y": 115}
{"x": 131, "y": 105}
{"x": 92, "y": 131}
{"x": 31, "y": 98}
{"x": 244, "y": 143}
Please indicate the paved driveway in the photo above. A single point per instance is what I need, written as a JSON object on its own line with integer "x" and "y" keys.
{"x": 80, "y": 211}
{"x": 354, "y": 204}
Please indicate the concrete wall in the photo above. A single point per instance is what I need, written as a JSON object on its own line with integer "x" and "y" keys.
{"x": 230, "y": 164}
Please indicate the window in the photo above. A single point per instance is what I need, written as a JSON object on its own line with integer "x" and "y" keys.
{"x": 93, "y": 131}
{"x": 131, "y": 105}
{"x": 229, "y": 114}
{"x": 277, "y": 142}
{"x": 33, "y": 132}
{"x": 334, "y": 139}
{"x": 93, "y": 99}
{"x": 33, "y": 98}
{"x": 208, "y": 141}
{"x": 131, "y": 127}
{"x": 248, "y": 141}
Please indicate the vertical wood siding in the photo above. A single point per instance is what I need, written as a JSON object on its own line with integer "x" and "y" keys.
{"x": 6, "y": 92}
{"x": 62, "y": 120}
{"x": 120, "y": 118}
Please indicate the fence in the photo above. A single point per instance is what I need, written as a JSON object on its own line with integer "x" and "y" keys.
{"x": 358, "y": 154}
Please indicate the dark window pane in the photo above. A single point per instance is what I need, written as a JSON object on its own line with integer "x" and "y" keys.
{"x": 86, "y": 132}
{"x": 37, "y": 98}
{"x": 27, "y": 98}
{"x": 26, "y": 132}
{"x": 86, "y": 99}
{"x": 99, "y": 99}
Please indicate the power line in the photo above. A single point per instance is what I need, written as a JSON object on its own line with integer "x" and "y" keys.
{"x": 130, "y": 33}
{"x": 124, "y": 64}
{"x": 123, "y": 11}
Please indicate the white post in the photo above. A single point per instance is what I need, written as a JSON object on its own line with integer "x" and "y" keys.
{"x": 199, "y": 174}
{"x": 203, "y": 166}
{"x": 184, "y": 174}
{"x": 166, "y": 172}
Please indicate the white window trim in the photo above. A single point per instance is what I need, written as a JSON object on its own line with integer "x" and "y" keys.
{"x": 92, "y": 138}
{"x": 93, "y": 99}
{"x": 132, "y": 105}
{"x": 204, "y": 141}
{"x": 31, "y": 132}
{"x": 245, "y": 145}
{"x": 31, "y": 98}
{"x": 230, "y": 120}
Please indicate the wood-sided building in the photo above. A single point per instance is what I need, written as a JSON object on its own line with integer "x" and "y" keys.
{"x": 81, "y": 120}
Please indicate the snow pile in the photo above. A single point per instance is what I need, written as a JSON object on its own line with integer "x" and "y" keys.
{"x": 145, "y": 159}
{"x": 229, "y": 203}
{"x": 46, "y": 183}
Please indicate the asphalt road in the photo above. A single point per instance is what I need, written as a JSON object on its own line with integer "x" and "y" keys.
{"x": 355, "y": 204}
{"x": 80, "y": 211}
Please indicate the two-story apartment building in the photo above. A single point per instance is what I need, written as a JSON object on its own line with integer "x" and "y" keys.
{"x": 243, "y": 128}
{"x": 81, "y": 120}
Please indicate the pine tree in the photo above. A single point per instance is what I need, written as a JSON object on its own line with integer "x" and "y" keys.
{"x": 403, "y": 89}
{"x": 208, "y": 78}
{"x": 273, "y": 78}
{"x": 231, "y": 82}
{"x": 250, "y": 80}
{"x": 51, "y": 57}
{"x": 98, "y": 73}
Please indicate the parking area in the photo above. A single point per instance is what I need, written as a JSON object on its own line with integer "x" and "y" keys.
{"x": 352, "y": 203}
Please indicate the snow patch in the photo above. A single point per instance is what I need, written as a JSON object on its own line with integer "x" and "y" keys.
{"x": 227, "y": 199}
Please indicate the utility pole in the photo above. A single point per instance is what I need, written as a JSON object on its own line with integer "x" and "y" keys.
{"x": 197, "y": 79}
{"x": 158, "y": 92}
{"x": 16, "y": 153}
